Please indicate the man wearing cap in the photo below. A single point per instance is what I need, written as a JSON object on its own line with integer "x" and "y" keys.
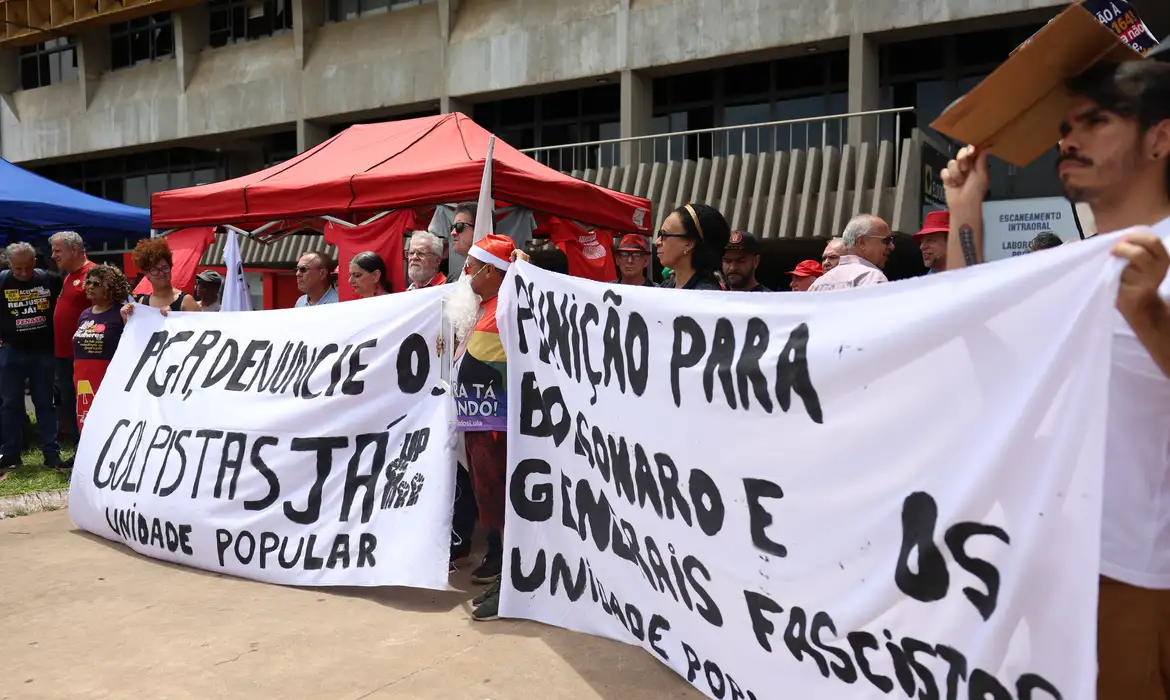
{"x": 932, "y": 241}
{"x": 807, "y": 272}
{"x": 208, "y": 285}
{"x": 741, "y": 258}
{"x": 1114, "y": 155}
{"x": 633, "y": 252}
{"x": 481, "y": 371}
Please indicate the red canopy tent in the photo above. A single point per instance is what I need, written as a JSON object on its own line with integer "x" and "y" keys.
{"x": 378, "y": 167}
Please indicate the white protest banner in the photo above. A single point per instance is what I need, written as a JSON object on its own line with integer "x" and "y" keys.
{"x": 1009, "y": 225}
{"x": 308, "y": 447}
{"x": 837, "y": 495}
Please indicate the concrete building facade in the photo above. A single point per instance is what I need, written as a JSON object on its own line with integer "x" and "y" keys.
{"x": 173, "y": 93}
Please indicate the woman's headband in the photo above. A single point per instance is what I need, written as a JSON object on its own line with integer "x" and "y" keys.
{"x": 695, "y": 218}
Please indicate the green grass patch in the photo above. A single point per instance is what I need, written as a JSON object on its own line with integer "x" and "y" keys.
{"x": 33, "y": 476}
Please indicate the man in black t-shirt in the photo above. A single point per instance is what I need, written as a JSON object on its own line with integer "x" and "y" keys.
{"x": 27, "y": 295}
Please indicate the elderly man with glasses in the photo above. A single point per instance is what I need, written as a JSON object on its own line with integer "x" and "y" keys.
{"x": 868, "y": 243}
{"x": 423, "y": 256}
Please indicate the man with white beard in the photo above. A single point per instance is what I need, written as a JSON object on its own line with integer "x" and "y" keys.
{"x": 422, "y": 261}
{"x": 480, "y": 391}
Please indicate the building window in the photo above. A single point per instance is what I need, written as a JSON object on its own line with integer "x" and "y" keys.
{"x": 133, "y": 179}
{"x": 143, "y": 39}
{"x": 234, "y": 21}
{"x": 278, "y": 148}
{"x": 556, "y": 119}
{"x": 815, "y": 85}
{"x": 341, "y": 10}
{"x": 48, "y": 63}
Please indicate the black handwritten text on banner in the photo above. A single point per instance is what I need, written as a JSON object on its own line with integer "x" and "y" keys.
{"x": 838, "y": 495}
{"x": 304, "y": 447}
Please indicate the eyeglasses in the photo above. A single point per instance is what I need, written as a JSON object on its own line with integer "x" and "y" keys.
{"x": 886, "y": 240}
{"x": 92, "y": 283}
{"x": 664, "y": 234}
{"x": 411, "y": 255}
{"x": 305, "y": 269}
{"x": 159, "y": 270}
{"x": 630, "y": 254}
{"x": 459, "y": 226}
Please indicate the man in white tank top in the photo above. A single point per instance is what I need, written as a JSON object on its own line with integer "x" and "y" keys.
{"x": 1115, "y": 156}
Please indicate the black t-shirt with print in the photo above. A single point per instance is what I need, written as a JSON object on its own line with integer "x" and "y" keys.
{"x": 26, "y": 312}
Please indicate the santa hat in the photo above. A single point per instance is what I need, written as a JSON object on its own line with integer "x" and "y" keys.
{"x": 494, "y": 250}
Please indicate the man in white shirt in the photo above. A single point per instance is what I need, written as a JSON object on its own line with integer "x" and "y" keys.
{"x": 1115, "y": 156}
{"x": 314, "y": 281}
{"x": 868, "y": 243}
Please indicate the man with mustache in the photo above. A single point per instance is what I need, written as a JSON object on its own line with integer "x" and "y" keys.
{"x": 423, "y": 256}
{"x": 1115, "y": 156}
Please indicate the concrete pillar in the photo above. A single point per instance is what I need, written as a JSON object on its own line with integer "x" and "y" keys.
{"x": 310, "y": 134}
{"x": 637, "y": 111}
{"x": 449, "y": 104}
{"x": 308, "y": 17}
{"x": 9, "y": 83}
{"x": 448, "y": 12}
{"x": 191, "y": 37}
{"x": 9, "y": 71}
{"x": 864, "y": 87}
{"x": 93, "y": 59}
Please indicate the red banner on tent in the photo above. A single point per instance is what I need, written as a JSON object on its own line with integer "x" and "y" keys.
{"x": 590, "y": 252}
{"x": 187, "y": 246}
{"x": 383, "y": 237}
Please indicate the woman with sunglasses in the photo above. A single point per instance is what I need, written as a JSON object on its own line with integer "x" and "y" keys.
{"x": 153, "y": 256}
{"x": 868, "y": 244}
{"x": 691, "y": 243}
{"x": 98, "y": 332}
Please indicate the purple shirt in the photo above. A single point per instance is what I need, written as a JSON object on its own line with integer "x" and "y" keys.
{"x": 97, "y": 335}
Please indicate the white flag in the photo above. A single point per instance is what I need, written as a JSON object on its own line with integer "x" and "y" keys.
{"x": 485, "y": 211}
{"x": 235, "y": 295}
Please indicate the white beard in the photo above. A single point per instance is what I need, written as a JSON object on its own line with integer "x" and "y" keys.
{"x": 461, "y": 308}
{"x": 418, "y": 274}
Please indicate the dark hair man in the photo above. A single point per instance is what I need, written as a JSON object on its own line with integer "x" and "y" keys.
{"x": 209, "y": 287}
{"x": 741, "y": 259}
{"x": 1115, "y": 156}
{"x": 1043, "y": 241}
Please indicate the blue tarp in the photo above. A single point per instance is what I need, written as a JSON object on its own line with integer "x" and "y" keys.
{"x": 32, "y": 207}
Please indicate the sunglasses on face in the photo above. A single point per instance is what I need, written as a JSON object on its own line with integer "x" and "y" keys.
{"x": 460, "y": 226}
{"x": 304, "y": 269}
{"x": 887, "y": 240}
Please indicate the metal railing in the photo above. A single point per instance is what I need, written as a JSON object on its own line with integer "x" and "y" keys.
{"x": 833, "y": 130}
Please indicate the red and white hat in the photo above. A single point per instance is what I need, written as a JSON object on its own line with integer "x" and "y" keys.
{"x": 494, "y": 250}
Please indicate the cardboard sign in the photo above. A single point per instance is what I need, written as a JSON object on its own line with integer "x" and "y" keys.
{"x": 1015, "y": 113}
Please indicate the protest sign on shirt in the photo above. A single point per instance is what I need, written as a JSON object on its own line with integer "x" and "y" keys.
{"x": 307, "y": 447}
{"x": 888, "y": 491}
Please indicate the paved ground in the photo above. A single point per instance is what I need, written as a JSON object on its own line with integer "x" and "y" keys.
{"x": 81, "y": 617}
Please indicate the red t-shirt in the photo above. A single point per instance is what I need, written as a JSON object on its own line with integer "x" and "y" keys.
{"x": 68, "y": 312}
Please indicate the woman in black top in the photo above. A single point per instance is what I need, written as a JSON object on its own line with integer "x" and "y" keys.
{"x": 153, "y": 256}
{"x": 691, "y": 243}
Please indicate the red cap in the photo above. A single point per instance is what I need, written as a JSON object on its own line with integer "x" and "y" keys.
{"x": 633, "y": 243}
{"x": 936, "y": 222}
{"x": 808, "y": 268}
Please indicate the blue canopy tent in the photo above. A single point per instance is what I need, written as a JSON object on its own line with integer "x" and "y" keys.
{"x": 32, "y": 207}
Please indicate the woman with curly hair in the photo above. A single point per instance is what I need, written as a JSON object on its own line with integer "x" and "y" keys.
{"x": 153, "y": 257}
{"x": 98, "y": 333}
